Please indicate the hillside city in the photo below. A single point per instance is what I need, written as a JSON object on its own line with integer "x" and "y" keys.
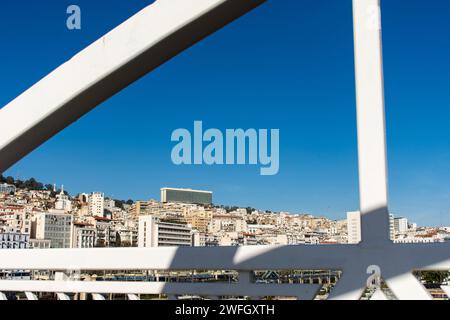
{"x": 37, "y": 216}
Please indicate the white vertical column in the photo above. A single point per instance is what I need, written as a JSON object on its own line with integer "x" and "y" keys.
{"x": 371, "y": 121}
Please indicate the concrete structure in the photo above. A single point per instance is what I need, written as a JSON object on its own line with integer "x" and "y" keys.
{"x": 14, "y": 241}
{"x": 83, "y": 235}
{"x": 63, "y": 202}
{"x": 96, "y": 204}
{"x": 105, "y": 236}
{"x": 7, "y": 188}
{"x": 153, "y": 233}
{"x": 354, "y": 227}
{"x": 186, "y": 196}
{"x": 142, "y": 208}
{"x": 55, "y": 226}
{"x": 40, "y": 244}
{"x": 400, "y": 225}
{"x": 198, "y": 219}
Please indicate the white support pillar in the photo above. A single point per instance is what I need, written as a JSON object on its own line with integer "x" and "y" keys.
{"x": 31, "y": 296}
{"x": 62, "y": 296}
{"x": 371, "y": 121}
{"x": 96, "y": 296}
{"x": 133, "y": 297}
{"x": 3, "y": 296}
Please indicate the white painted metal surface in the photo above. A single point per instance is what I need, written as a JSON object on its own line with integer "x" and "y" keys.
{"x": 96, "y": 296}
{"x": 3, "y": 296}
{"x": 31, "y": 296}
{"x": 371, "y": 121}
{"x": 304, "y": 292}
{"x": 379, "y": 296}
{"x": 446, "y": 290}
{"x": 62, "y": 296}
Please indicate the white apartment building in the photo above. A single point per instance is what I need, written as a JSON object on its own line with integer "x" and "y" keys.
{"x": 354, "y": 227}
{"x": 96, "y": 204}
{"x": 83, "y": 235}
{"x": 55, "y": 226}
{"x": 153, "y": 232}
{"x": 199, "y": 239}
{"x": 14, "y": 219}
{"x": 400, "y": 225}
{"x": 14, "y": 241}
{"x": 7, "y": 188}
{"x": 260, "y": 228}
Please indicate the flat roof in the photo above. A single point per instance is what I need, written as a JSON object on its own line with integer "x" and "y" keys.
{"x": 189, "y": 190}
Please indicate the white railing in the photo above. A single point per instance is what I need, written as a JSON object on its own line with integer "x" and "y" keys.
{"x": 159, "y": 32}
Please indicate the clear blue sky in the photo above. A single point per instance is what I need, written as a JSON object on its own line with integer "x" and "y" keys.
{"x": 286, "y": 65}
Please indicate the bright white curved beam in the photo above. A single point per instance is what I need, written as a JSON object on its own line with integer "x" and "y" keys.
{"x": 133, "y": 49}
{"x": 96, "y": 296}
{"x": 63, "y": 296}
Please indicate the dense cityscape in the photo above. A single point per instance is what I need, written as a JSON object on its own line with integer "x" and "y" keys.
{"x": 38, "y": 216}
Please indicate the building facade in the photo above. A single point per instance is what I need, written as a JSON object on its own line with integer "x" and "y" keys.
{"x": 7, "y": 188}
{"x": 83, "y": 236}
{"x": 96, "y": 204}
{"x": 186, "y": 196}
{"x": 153, "y": 232}
{"x": 354, "y": 227}
{"x": 14, "y": 241}
{"x": 55, "y": 226}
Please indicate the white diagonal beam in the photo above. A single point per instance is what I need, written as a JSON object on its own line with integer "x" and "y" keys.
{"x": 407, "y": 287}
{"x": 133, "y": 297}
{"x": 30, "y": 295}
{"x": 96, "y": 296}
{"x": 133, "y": 49}
{"x": 63, "y": 296}
{"x": 371, "y": 121}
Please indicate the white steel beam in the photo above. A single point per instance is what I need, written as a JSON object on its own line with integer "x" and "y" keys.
{"x": 63, "y": 296}
{"x": 133, "y": 297}
{"x": 96, "y": 296}
{"x": 371, "y": 121}
{"x": 97, "y": 288}
{"x": 130, "y": 51}
{"x": 30, "y": 295}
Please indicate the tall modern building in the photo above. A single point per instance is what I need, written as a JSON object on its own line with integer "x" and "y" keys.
{"x": 400, "y": 225}
{"x": 96, "y": 204}
{"x": 186, "y": 196}
{"x": 156, "y": 233}
{"x": 354, "y": 227}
